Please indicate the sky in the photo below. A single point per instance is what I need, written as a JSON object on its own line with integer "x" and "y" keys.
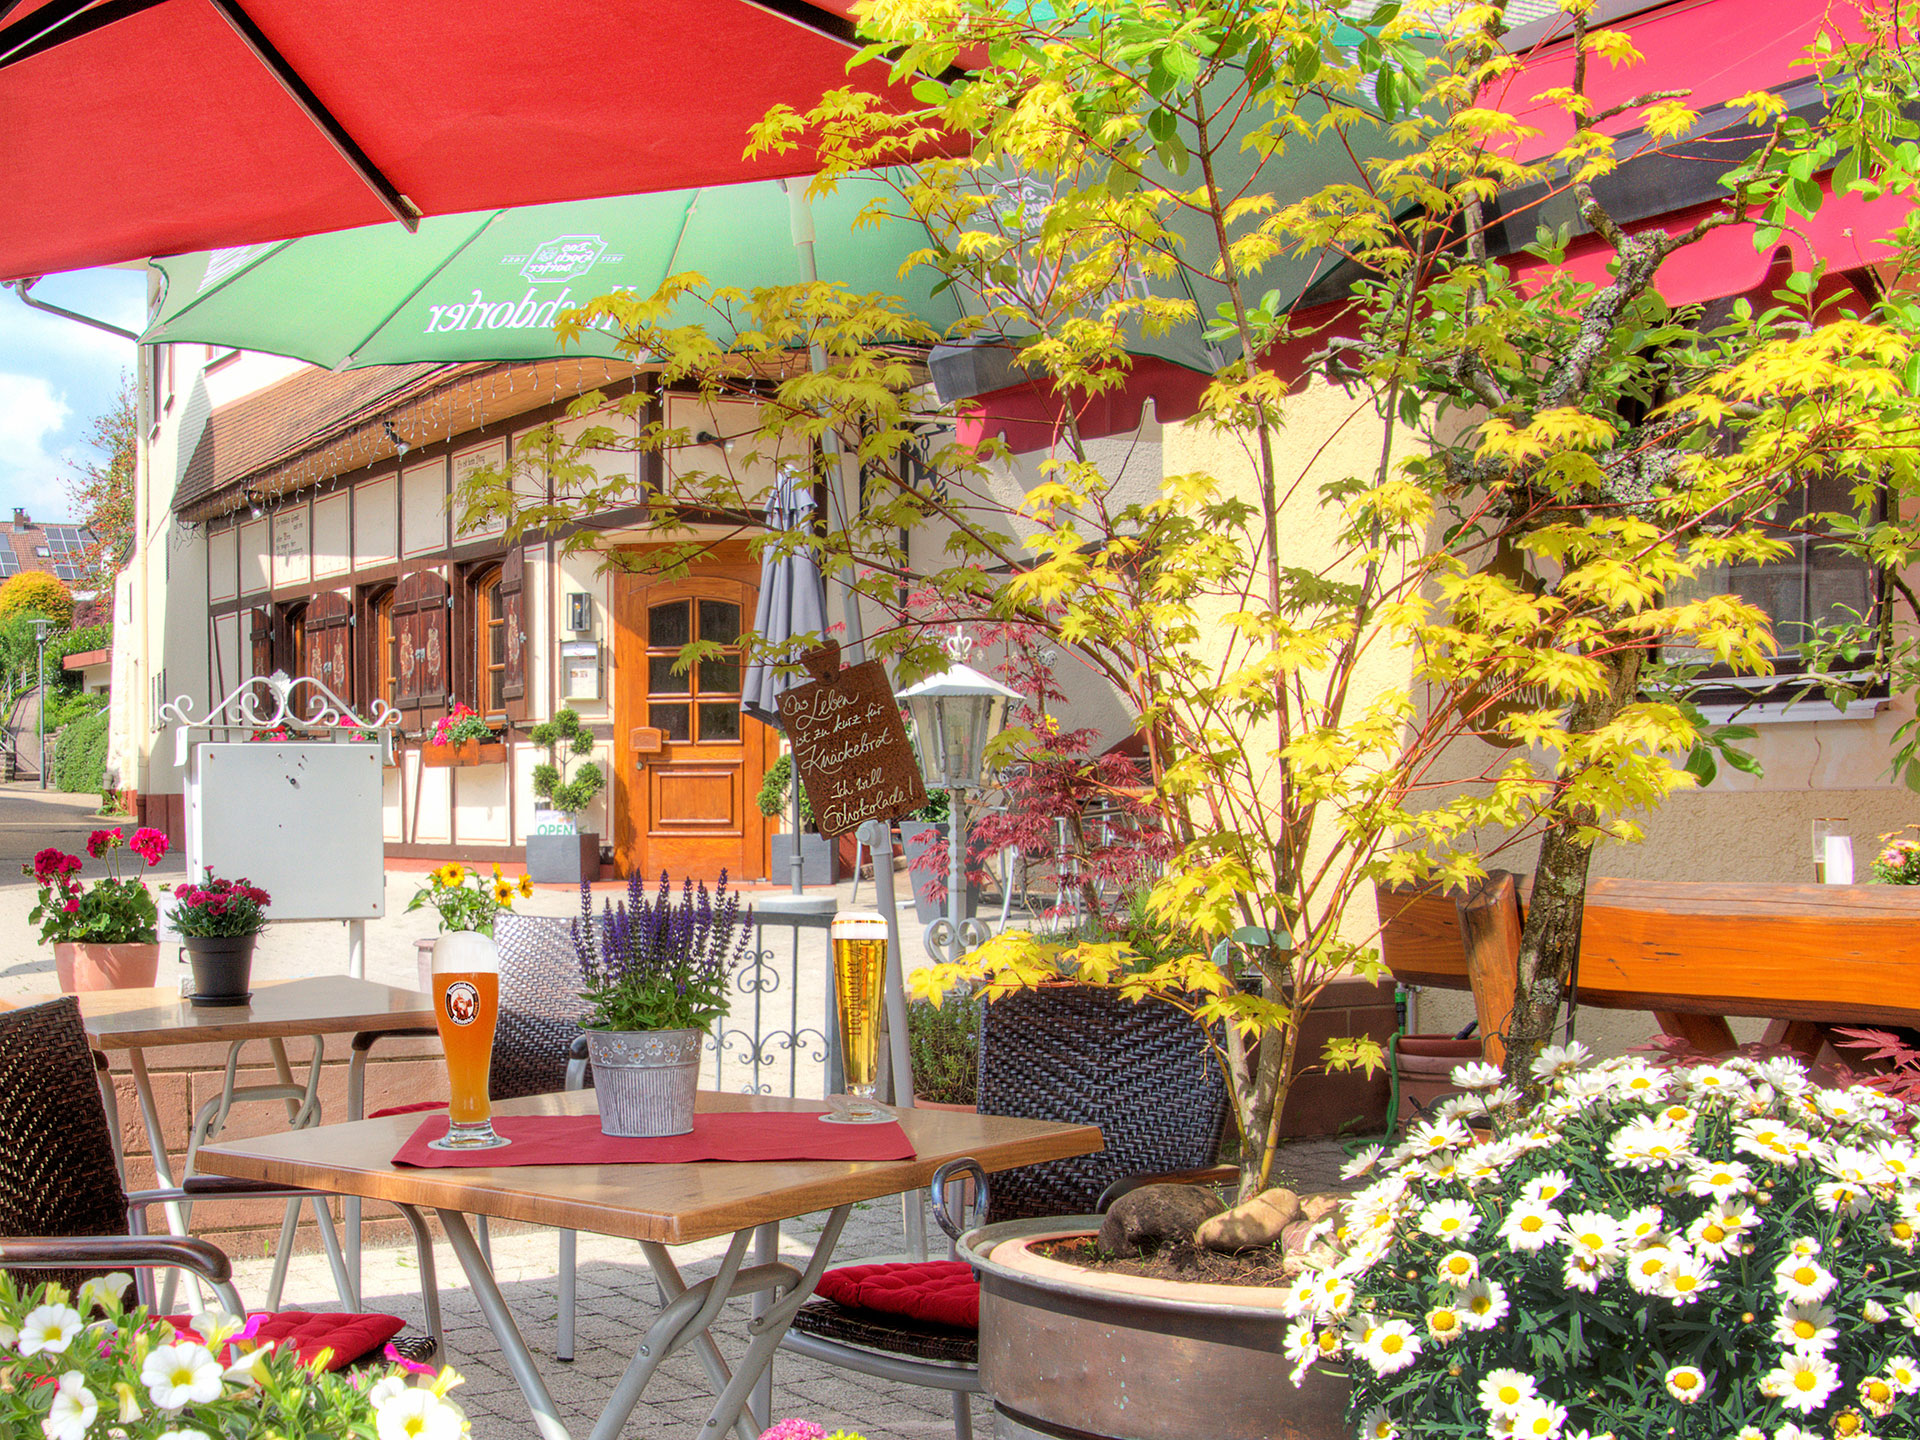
{"x": 56, "y": 375}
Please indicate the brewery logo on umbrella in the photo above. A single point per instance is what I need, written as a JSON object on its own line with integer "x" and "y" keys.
{"x": 565, "y": 257}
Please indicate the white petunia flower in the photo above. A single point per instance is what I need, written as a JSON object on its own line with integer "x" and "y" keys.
{"x": 1478, "y": 1075}
{"x": 49, "y": 1329}
{"x": 1452, "y": 1220}
{"x": 1803, "y": 1280}
{"x": 1801, "y": 1382}
{"x": 417, "y": 1415}
{"x": 1686, "y": 1383}
{"x": 1531, "y": 1225}
{"x": 1808, "y": 1329}
{"x": 1537, "y": 1418}
{"x": 103, "y": 1292}
{"x": 73, "y": 1410}
{"x": 180, "y": 1375}
{"x": 1503, "y": 1391}
{"x": 1390, "y": 1347}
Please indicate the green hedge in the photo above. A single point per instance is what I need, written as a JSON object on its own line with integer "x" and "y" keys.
{"x": 66, "y": 706}
{"x": 80, "y": 755}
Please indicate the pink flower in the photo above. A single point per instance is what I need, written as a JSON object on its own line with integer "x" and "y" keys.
{"x": 72, "y": 907}
{"x": 412, "y": 1367}
{"x": 149, "y": 844}
{"x": 101, "y": 841}
{"x": 794, "y": 1430}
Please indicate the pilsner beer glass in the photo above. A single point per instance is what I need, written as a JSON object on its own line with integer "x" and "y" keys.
{"x": 466, "y": 996}
{"x": 859, "y": 971}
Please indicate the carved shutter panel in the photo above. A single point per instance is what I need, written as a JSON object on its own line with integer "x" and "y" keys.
{"x": 513, "y": 614}
{"x": 329, "y": 626}
{"x": 261, "y": 643}
{"x": 420, "y": 623}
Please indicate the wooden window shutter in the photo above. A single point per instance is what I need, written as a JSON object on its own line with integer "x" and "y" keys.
{"x": 260, "y": 637}
{"x": 420, "y": 622}
{"x": 513, "y": 611}
{"x": 329, "y": 626}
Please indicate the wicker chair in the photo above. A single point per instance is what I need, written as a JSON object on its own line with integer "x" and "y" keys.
{"x": 64, "y": 1213}
{"x": 1072, "y": 1054}
{"x": 537, "y": 1049}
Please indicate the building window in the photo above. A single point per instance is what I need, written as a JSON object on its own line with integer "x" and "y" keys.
{"x": 1818, "y": 584}
{"x": 702, "y": 703}
{"x": 489, "y": 644}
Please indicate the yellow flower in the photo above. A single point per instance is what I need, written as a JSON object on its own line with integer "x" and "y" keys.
{"x": 496, "y": 869}
{"x": 452, "y": 875}
{"x": 503, "y": 893}
{"x": 526, "y": 886}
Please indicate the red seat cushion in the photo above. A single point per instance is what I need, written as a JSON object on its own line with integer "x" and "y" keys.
{"x": 417, "y": 1105}
{"x": 941, "y": 1291}
{"x": 349, "y": 1337}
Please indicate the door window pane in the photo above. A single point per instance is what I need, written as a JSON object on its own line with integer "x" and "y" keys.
{"x": 720, "y": 720}
{"x": 719, "y": 621}
{"x": 662, "y": 681}
{"x": 668, "y": 624}
{"x": 720, "y": 677}
{"x": 669, "y": 720}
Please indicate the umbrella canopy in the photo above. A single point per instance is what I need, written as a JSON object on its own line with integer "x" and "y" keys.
{"x": 152, "y": 127}
{"x": 487, "y": 286}
{"x": 793, "y": 601}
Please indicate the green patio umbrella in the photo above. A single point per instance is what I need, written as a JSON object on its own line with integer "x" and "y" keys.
{"x": 486, "y": 286}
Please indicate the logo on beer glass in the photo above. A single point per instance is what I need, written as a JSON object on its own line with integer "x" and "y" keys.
{"x": 463, "y": 1002}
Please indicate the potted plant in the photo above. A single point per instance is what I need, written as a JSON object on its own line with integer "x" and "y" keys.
{"x": 1722, "y": 1249}
{"x": 74, "y": 1366}
{"x": 555, "y": 855}
{"x": 218, "y": 923}
{"x": 104, "y": 936}
{"x": 943, "y": 1048}
{"x": 462, "y": 737}
{"x": 1898, "y": 862}
{"x": 656, "y": 976}
{"x": 818, "y": 855}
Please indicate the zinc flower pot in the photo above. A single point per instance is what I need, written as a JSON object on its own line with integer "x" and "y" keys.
{"x": 105, "y": 967}
{"x": 645, "y": 1080}
{"x": 563, "y": 859}
{"x": 222, "y": 968}
{"x": 1066, "y": 1350}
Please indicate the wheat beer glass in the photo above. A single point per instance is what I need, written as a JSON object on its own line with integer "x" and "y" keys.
{"x": 466, "y": 1007}
{"x": 859, "y": 971}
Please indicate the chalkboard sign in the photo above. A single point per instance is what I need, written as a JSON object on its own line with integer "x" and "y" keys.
{"x": 849, "y": 745}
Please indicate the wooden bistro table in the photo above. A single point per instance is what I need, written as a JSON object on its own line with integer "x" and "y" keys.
{"x": 315, "y": 1007}
{"x": 656, "y": 1205}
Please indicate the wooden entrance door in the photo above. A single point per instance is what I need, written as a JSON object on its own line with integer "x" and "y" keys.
{"x": 688, "y": 808}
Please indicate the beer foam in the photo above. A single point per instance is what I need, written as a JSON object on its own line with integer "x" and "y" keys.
{"x": 859, "y": 925}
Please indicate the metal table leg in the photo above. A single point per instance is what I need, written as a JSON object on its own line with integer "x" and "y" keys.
{"x": 685, "y": 1319}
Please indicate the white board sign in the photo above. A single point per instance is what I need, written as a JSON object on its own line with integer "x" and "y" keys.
{"x": 301, "y": 821}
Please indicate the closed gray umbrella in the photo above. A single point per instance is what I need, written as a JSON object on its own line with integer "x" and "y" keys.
{"x": 793, "y": 601}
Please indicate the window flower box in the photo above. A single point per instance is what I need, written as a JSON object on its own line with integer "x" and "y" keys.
{"x": 464, "y": 752}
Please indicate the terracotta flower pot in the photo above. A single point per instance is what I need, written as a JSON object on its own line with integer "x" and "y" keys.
{"x": 105, "y": 967}
{"x": 1425, "y": 1064}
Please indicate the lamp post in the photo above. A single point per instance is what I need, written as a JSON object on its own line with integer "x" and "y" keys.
{"x": 40, "y": 628}
{"x": 955, "y": 715}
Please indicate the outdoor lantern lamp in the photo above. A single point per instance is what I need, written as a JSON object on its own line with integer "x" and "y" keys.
{"x": 956, "y": 714}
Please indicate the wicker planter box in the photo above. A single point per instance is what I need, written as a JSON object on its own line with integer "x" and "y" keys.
{"x": 465, "y": 752}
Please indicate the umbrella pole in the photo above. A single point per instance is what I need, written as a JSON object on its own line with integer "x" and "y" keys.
{"x": 796, "y": 866}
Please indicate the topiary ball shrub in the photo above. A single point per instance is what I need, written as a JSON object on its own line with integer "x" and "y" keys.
{"x": 566, "y": 733}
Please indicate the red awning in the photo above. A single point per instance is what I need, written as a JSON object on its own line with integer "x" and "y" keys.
{"x": 163, "y": 131}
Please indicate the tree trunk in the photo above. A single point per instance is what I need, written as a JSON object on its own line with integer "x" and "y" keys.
{"x": 1550, "y": 939}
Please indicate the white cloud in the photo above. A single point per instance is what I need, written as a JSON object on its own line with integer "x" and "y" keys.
{"x": 32, "y": 466}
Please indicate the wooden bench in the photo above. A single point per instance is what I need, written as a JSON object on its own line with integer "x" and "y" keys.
{"x": 1803, "y": 956}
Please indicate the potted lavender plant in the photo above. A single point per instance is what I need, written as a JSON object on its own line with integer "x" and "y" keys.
{"x": 656, "y": 976}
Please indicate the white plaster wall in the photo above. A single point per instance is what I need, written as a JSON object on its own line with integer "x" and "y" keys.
{"x": 291, "y": 529}
{"x": 223, "y": 564}
{"x": 376, "y": 521}
{"x": 330, "y": 541}
{"x": 228, "y": 662}
{"x": 751, "y": 465}
{"x": 475, "y": 457}
{"x": 256, "y": 557}
{"x": 480, "y": 804}
{"x": 423, "y": 508}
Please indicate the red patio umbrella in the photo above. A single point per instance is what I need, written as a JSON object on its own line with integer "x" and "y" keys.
{"x": 131, "y": 128}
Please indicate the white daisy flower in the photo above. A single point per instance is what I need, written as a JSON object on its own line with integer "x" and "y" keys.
{"x": 1646, "y": 1225}
{"x": 1874, "y": 1313}
{"x": 1362, "y": 1164}
{"x": 1593, "y": 1235}
{"x": 1333, "y": 1296}
{"x": 1502, "y": 1391}
{"x": 1786, "y": 1075}
{"x": 1877, "y": 1395}
{"x": 1585, "y": 1275}
{"x": 1840, "y": 1197}
{"x": 1801, "y": 1382}
{"x": 1687, "y": 1279}
{"x": 1640, "y": 1081}
{"x": 1791, "y": 1431}
{"x": 1808, "y": 1329}
{"x": 1483, "y": 1304}
{"x": 1903, "y": 1373}
{"x": 1900, "y": 1159}
{"x": 1716, "y": 1232}
{"x": 1720, "y": 1179}
{"x": 1300, "y": 1298}
{"x": 1715, "y": 1080}
{"x": 1556, "y": 1061}
{"x": 1537, "y": 1418}
{"x": 1547, "y": 1188}
{"x": 1686, "y": 1383}
{"x": 1899, "y": 1232}
{"x": 1390, "y": 1347}
{"x": 1650, "y": 1145}
{"x": 1459, "y": 1267}
{"x": 1451, "y": 1220}
{"x": 1803, "y": 1280}
{"x": 1375, "y": 1425}
{"x": 1428, "y": 1138}
{"x": 1908, "y": 1311}
{"x": 1531, "y": 1225}
{"x": 1803, "y": 1247}
{"x": 1478, "y": 1075}
{"x": 1646, "y": 1270}
{"x": 1302, "y": 1344}
{"x": 1445, "y": 1323}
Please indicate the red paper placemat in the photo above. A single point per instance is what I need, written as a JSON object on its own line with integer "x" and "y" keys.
{"x": 723, "y": 1135}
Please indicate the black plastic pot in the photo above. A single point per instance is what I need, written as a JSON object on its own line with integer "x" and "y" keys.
{"x": 222, "y": 967}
